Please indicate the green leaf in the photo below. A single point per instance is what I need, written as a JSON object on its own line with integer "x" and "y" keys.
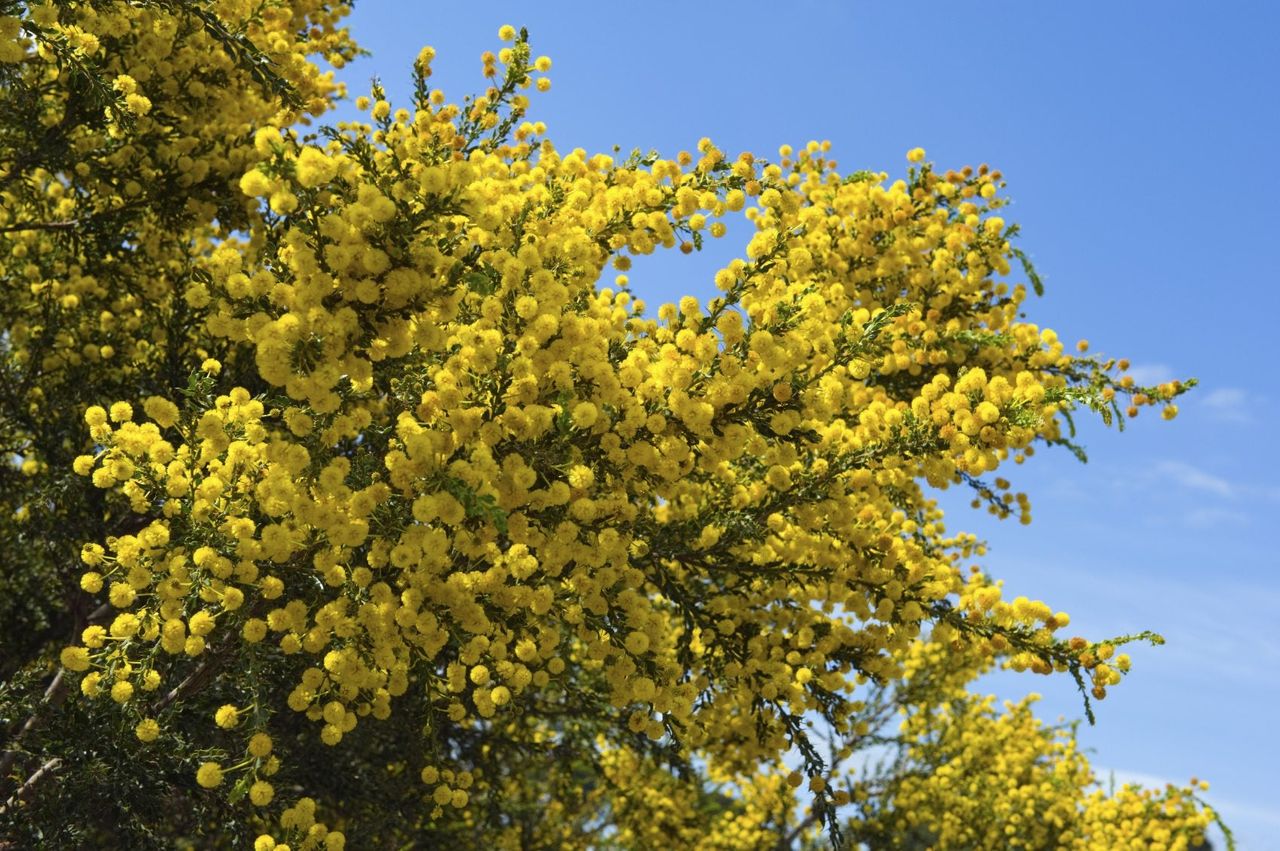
{"x": 1037, "y": 283}
{"x": 480, "y": 282}
{"x": 240, "y": 789}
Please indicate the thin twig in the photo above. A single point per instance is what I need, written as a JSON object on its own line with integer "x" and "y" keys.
{"x": 24, "y": 791}
{"x": 67, "y": 225}
{"x": 54, "y": 695}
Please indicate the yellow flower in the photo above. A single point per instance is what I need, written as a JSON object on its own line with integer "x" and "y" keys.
{"x": 585, "y": 415}
{"x": 227, "y": 716}
{"x": 261, "y": 793}
{"x": 94, "y": 636}
{"x": 147, "y": 730}
{"x": 987, "y": 412}
{"x": 259, "y": 745}
{"x": 201, "y": 623}
{"x": 581, "y": 477}
{"x": 122, "y": 691}
{"x": 75, "y": 658}
{"x": 137, "y": 104}
{"x": 121, "y": 412}
{"x": 122, "y": 595}
{"x": 161, "y": 411}
{"x": 209, "y": 775}
{"x": 256, "y": 184}
{"x": 314, "y": 167}
{"x": 254, "y": 630}
{"x": 90, "y": 686}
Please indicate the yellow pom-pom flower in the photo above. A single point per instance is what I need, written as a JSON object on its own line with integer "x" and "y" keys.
{"x": 147, "y": 730}
{"x": 227, "y": 716}
{"x": 209, "y": 775}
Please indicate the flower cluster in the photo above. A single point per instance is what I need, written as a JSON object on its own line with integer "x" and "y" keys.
{"x": 982, "y": 776}
{"x": 420, "y": 463}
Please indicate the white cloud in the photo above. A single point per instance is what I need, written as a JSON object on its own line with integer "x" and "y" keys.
{"x": 1194, "y": 478}
{"x": 1228, "y": 405}
{"x": 1211, "y": 619}
{"x": 1208, "y": 627}
{"x": 1215, "y": 518}
{"x": 1121, "y": 777}
{"x": 1224, "y": 397}
{"x": 1148, "y": 374}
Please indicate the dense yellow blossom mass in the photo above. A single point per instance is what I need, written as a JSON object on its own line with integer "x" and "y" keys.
{"x": 395, "y": 497}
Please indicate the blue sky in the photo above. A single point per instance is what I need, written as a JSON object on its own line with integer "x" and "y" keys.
{"x": 1132, "y": 136}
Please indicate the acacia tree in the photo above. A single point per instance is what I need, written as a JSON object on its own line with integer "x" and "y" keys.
{"x": 348, "y": 504}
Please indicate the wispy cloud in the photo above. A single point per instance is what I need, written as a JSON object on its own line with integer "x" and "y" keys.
{"x": 1148, "y": 374}
{"x": 1187, "y": 476}
{"x": 1123, "y": 777}
{"x": 1229, "y": 405}
{"x": 1210, "y": 613}
{"x": 1208, "y": 517}
{"x": 1206, "y": 630}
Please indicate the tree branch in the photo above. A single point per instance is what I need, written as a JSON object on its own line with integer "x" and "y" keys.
{"x": 54, "y": 695}
{"x": 25, "y": 790}
{"x": 67, "y": 225}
